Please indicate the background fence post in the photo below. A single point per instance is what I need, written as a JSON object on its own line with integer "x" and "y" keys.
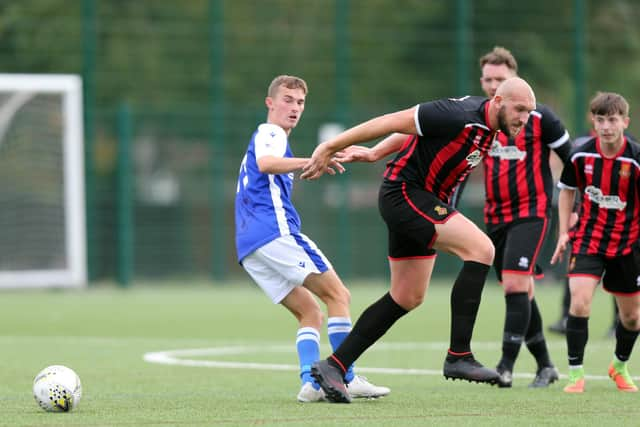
{"x": 343, "y": 85}
{"x": 580, "y": 68}
{"x": 463, "y": 46}
{"x": 88, "y": 86}
{"x": 217, "y": 152}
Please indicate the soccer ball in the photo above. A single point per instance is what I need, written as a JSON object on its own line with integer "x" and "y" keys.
{"x": 57, "y": 389}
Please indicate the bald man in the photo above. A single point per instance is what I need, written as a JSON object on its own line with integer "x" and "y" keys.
{"x": 518, "y": 196}
{"x": 438, "y": 143}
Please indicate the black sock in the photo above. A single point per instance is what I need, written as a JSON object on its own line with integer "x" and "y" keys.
{"x": 370, "y": 326}
{"x": 625, "y": 339}
{"x": 534, "y": 338}
{"x": 577, "y": 337}
{"x": 516, "y": 323}
{"x": 465, "y": 301}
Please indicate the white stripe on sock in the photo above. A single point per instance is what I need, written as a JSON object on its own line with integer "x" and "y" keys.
{"x": 338, "y": 320}
{"x": 338, "y": 329}
{"x": 308, "y": 333}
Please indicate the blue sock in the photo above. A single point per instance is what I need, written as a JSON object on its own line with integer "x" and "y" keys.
{"x": 308, "y": 345}
{"x": 338, "y": 328}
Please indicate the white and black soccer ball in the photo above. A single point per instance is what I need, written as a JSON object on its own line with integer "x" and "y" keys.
{"x": 57, "y": 389}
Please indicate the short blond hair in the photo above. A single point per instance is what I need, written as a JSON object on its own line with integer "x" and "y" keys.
{"x": 290, "y": 82}
{"x": 499, "y": 56}
{"x": 608, "y": 104}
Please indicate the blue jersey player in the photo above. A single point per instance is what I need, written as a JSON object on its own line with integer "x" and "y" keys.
{"x": 285, "y": 263}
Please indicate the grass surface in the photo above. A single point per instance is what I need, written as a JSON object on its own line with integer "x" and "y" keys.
{"x": 104, "y": 332}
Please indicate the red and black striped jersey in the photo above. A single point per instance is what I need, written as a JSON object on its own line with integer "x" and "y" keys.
{"x": 609, "y": 215}
{"x": 517, "y": 176}
{"x": 453, "y": 136}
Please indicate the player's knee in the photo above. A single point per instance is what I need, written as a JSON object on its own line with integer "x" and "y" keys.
{"x": 343, "y": 295}
{"x": 338, "y": 295}
{"x": 483, "y": 251}
{"x": 409, "y": 301}
{"x": 517, "y": 284}
{"x": 312, "y": 316}
{"x": 630, "y": 320}
{"x": 414, "y": 302}
{"x": 580, "y": 306}
{"x": 489, "y": 253}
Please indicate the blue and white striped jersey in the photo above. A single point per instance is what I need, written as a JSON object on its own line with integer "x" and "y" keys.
{"x": 263, "y": 210}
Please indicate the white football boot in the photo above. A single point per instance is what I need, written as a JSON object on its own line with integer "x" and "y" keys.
{"x": 360, "y": 387}
{"x": 309, "y": 394}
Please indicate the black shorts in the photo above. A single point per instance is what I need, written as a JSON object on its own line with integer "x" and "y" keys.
{"x": 621, "y": 274}
{"x": 411, "y": 214}
{"x": 518, "y": 245}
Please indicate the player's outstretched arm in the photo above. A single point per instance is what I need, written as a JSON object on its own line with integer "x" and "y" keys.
{"x": 400, "y": 121}
{"x": 359, "y": 153}
{"x": 279, "y": 165}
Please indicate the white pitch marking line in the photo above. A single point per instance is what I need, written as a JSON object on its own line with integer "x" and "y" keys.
{"x": 180, "y": 357}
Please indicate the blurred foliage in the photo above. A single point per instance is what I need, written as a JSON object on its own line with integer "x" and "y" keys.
{"x": 195, "y": 75}
{"x": 158, "y": 53}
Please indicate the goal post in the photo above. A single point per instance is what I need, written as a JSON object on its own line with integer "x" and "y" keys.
{"x": 42, "y": 210}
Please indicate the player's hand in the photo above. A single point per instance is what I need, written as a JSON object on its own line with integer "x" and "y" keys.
{"x": 319, "y": 163}
{"x": 355, "y": 153}
{"x": 561, "y": 247}
{"x": 335, "y": 165}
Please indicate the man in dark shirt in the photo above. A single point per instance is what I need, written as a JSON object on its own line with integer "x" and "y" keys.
{"x": 447, "y": 138}
{"x": 604, "y": 241}
{"x": 519, "y": 191}
{"x": 560, "y": 326}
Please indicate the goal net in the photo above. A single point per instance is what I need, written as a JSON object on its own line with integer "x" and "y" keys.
{"x": 42, "y": 224}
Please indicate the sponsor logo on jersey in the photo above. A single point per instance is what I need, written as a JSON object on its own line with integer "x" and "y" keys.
{"x": 588, "y": 169}
{"x": 508, "y": 152}
{"x": 605, "y": 202}
{"x": 474, "y": 158}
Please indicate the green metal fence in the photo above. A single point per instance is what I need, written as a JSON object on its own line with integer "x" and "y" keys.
{"x": 173, "y": 91}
